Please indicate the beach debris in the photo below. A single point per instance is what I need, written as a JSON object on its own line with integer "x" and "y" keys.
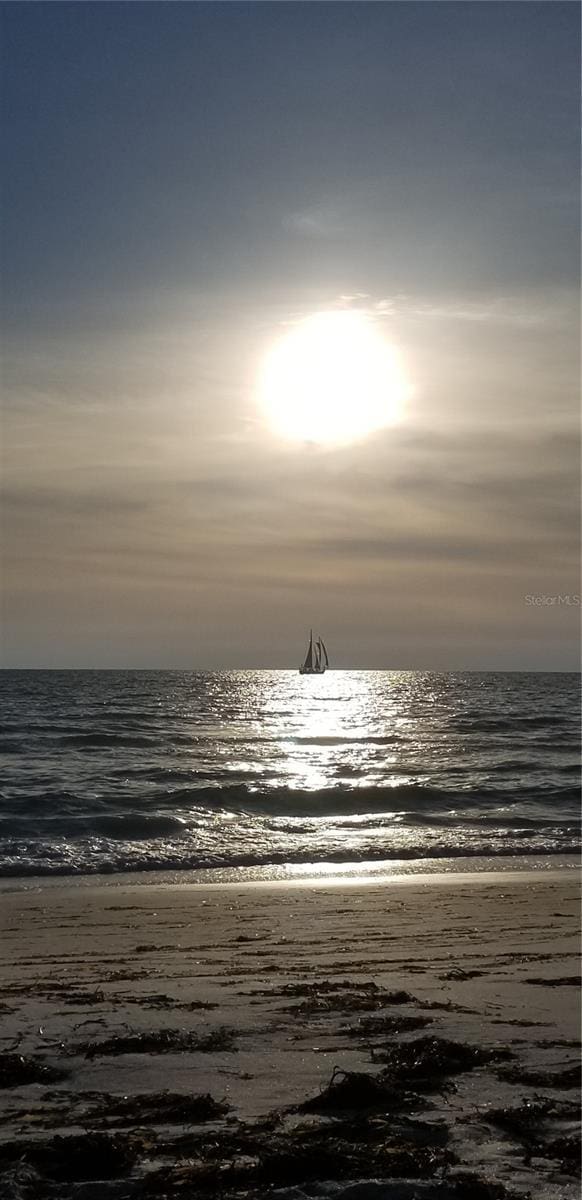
{"x": 319, "y": 987}
{"x": 355, "y": 1091}
{"x": 427, "y": 1061}
{"x": 567, "y": 1151}
{"x": 535, "y": 1124}
{"x": 79, "y": 1157}
{"x": 122, "y": 975}
{"x": 149, "y": 947}
{"x": 252, "y": 1158}
{"x": 162, "y": 1000}
{"x": 524, "y": 1119}
{"x": 17, "y": 1070}
{"x": 195, "y": 1005}
{"x": 358, "y": 997}
{"x": 560, "y": 981}
{"x": 156, "y": 1108}
{"x": 82, "y": 998}
{"x": 568, "y": 1077}
{"x": 465, "y": 1185}
{"x": 323, "y": 1156}
{"x": 459, "y": 974}
{"x": 104, "y": 1111}
{"x": 569, "y": 1043}
{"x": 380, "y": 1025}
{"x": 516, "y": 1021}
{"x": 20, "y": 1182}
{"x": 158, "y": 1041}
{"x": 444, "y": 1006}
{"x": 323, "y": 986}
{"x": 15, "y": 1042}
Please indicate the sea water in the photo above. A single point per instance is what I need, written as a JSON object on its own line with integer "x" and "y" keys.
{"x": 117, "y": 771}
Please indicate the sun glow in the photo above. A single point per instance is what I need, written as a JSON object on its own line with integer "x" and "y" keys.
{"x": 332, "y": 379}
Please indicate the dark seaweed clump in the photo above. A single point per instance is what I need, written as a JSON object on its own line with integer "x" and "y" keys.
{"x": 532, "y": 1123}
{"x": 157, "y": 1108}
{"x": 345, "y": 996}
{"x": 561, "y": 981}
{"x": 16, "y": 1070}
{"x": 372, "y": 1027}
{"x": 355, "y": 1091}
{"x": 426, "y": 1061}
{"x": 160, "y": 1041}
{"x": 467, "y": 1186}
{"x": 569, "y": 1077}
{"x": 74, "y": 1158}
{"x": 358, "y": 1149}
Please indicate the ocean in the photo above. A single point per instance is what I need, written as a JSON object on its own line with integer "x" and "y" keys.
{"x": 264, "y": 772}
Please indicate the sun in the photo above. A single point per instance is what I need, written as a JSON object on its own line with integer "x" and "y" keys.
{"x": 332, "y": 379}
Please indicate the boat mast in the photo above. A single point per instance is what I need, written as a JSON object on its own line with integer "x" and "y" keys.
{"x": 309, "y": 656}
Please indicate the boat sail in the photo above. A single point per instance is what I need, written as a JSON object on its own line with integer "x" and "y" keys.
{"x": 316, "y": 659}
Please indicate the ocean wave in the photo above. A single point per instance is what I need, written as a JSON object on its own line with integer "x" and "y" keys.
{"x": 323, "y": 802}
{"x": 510, "y": 723}
{"x": 15, "y": 860}
{"x": 317, "y": 804}
{"x": 136, "y": 826}
{"x": 100, "y": 741}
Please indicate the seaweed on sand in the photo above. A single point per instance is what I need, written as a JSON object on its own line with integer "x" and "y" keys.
{"x": 426, "y": 1061}
{"x": 381, "y": 1025}
{"x": 82, "y": 998}
{"x": 16, "y": 1070}
{"x": 567, "y": 1152}
{"x": 253, "y": 1159}
{"x": 79, "y": 1157}
{"x": 162, "y": 1000}
{"x": 445, "y": 1006}
{"x": 460, "y": 974}
{"x": 568, "y": 1077}
{"x": 321, "y": 1155}
{"x": 525, "y": 1120}
{"x": 562, "y": 981}
{"x": 159, "y": 1041}
{"x": 532, "y": 1123}
{"x": 356, "y": 1091}
{"x": 465, "y": 1185}
{"x": 21, "y": 1182}
{"x": 156, "y": 1108}
{"x": 106, "y": 1112}
{"x": 320, "y": 987}
{"x": 359, "y": 998}
{"x": 330, "y": 994}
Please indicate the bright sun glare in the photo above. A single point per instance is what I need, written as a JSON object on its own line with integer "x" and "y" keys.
{"x": 332, "y": 379}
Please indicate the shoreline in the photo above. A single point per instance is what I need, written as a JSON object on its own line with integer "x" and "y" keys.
{"x": 346, "y": 874}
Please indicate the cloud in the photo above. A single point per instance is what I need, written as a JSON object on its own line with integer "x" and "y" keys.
{"x": 321, "y": 221}
{"x": 525, "y": 311}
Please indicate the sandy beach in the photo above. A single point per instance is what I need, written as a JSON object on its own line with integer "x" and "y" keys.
{"x": 448, "y": 1007}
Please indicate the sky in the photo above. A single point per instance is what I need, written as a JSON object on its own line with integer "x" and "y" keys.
{"x": 185, "y": 184}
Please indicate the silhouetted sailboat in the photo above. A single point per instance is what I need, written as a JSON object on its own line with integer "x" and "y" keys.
{"x": 316, "y": 659}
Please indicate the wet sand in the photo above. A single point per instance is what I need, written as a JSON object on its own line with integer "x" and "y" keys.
{"x": 254, "y": 995}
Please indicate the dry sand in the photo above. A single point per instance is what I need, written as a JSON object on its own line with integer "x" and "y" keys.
{"x": 293, "y": 974}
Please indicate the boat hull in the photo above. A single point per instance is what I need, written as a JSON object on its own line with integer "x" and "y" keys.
{"x": 312, "y": 671}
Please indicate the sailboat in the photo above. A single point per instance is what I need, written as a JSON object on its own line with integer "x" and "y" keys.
{"x": 316, "y": 659}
